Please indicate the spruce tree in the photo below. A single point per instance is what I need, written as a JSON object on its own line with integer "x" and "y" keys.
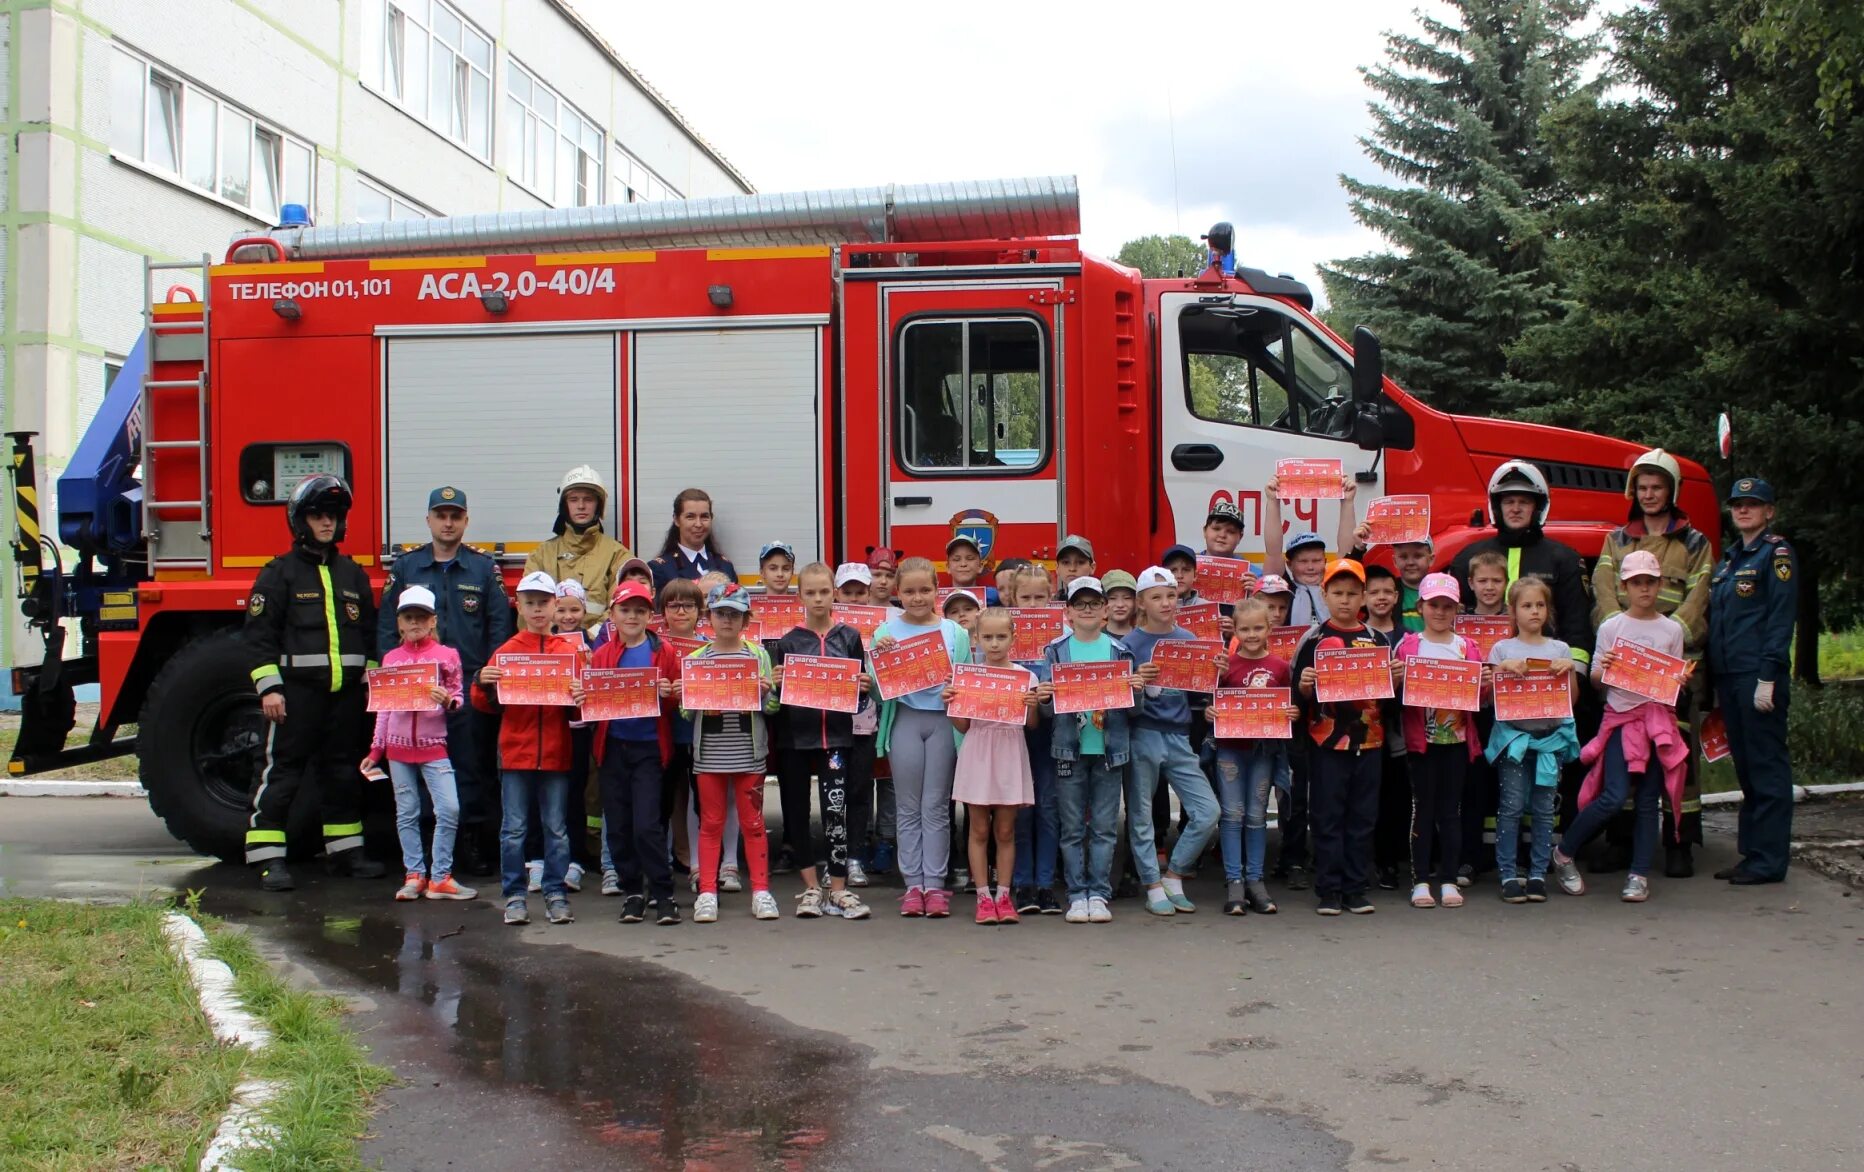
{"x": 1457, "y": 124}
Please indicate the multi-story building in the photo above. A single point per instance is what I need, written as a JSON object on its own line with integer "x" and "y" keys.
{"x": 163, "y": 128}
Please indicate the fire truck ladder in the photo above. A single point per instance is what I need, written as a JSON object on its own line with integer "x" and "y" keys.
{"x": 175, "y": 542}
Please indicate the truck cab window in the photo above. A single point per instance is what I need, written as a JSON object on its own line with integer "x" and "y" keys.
{"x": 972, "y": 395}
{"x": 1254, "y": 367}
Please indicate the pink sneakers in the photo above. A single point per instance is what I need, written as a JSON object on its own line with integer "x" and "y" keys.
{"x": 1006, "y": 908}
{"x": 913, "y": 903}
{"x": 938, "y": 903}
{"x": 986, "y": 909}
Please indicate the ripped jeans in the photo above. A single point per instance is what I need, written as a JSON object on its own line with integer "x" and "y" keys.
{"x": 1244, "y": 778}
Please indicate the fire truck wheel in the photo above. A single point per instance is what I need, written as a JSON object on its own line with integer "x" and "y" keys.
{"x": 201, "y": 738}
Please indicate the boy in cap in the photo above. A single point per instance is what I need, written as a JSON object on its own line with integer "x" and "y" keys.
{"x": 883, "y": 566}
{"x": 1302, "y": 557}
{"x": 1074, "y": 558}
{"x": 1181, "y": 560}
{"x": 964, "y": 562}
{"x": 1223, "y": 529}
{"x": 1122, "y": 602}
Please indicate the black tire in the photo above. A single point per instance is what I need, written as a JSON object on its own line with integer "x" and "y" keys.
{"x": 201, "y": 738}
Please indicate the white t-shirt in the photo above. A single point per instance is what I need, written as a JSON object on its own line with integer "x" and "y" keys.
{"x": 1662, "y": 633}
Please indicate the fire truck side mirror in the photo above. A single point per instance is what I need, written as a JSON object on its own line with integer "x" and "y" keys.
{"x": 1368, "y": 367}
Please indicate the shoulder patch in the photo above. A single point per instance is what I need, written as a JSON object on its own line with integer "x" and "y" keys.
{"x": 1783, "y": 568}
{"x": 255, "y": 606}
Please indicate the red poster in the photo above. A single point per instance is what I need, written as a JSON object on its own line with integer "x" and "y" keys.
{"x": 407, "y": 687}
{"x": 620, "y": 693}
{"x": 1284, "y": 640}
{"x": 1648, "y": 673}
{"x": 1222, "y": 579}
{"x": 1190, "y": 665}
{"x": 682, "y": 645}
{"x": 1092, "y": 687}
{"x": 1203, "y": 619}
{"x": 1538, "y": 695}
{"x": 1352, "y": 673}
{"x": 542, "y": 679}
{"x": 1252, "y": 714}
{"x": 998, "y": 694}
{"x": 1309, "y": 480}
{"x": 830, "y": 683}
{"x": 1714, "y": 737}
{"x": 1484, "y": 630}
{"x": 1394, "y": 520}
{"x": 912, "y": 665}
{"x": 1035, "y": 627}
{"x": 776, "y": 613}
{"x": 719, "y": 684}
{"x": 1442, "y": 683}
{"x": 865, "y": 619}
{"x": 577, "y": 637}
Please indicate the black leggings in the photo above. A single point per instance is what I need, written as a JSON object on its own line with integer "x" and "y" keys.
{"x": 1436, "y": 810}
{"x": 793, "y": 798}
{"x": 1391, "y": 838}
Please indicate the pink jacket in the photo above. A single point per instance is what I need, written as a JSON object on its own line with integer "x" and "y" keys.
{"x": 1647, "y": 728}
{"x": 419, "y": 736}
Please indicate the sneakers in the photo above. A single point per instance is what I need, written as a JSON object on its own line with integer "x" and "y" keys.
{"x": 1465, "y": 876}
{"x": 784, "y": 863}
{"x": 986, "y": 908}
{"x": 1077, "y": 912}
{"x": 1006, "y": 908}
{"x": 1235, "y": 898}
{"x": 1180, "y": 902}
{"x": 764, "y": 906}
{"x": 1421, "y": 896}
{"x": 1297, "y": 878}
{"x": 1388, "y": 878}
{"x": 1537, "y": 891}
{"x": 274, "y": 877}
{"x": 1257, "y": 893}
{"x": 705, "y": 909}
{"x": 1450, "y": 896}
{"x": 1637, "y": 889}
{"x": 534, "y": 876}
{"x": 847, "y": 905}
{"x": 572, "y": 878}
{"x": 412, "y": 887}
{"x": 1566, "y": 874}
{"x": 1097, "y": 911}
{"x": 857, "y": 874}
{"x": 634, "y": 909}
{"x": 729, "y": 882}
{"x": 1158, "y": 903}
{"x": 1358, "y": 904}
{"x": 882, "y": 862}
{"x": 1046, "y": 902}
{"x": 1023, "y": 899}
{"x": 666, "y": 912}
{"x": 1514, "y": 891}
{"x": 557, "y": 910}
{"x": 809, "y": 904}
{"x": 1330, "y": 905}
{"x": 611, "y": 882}
{"x": 913, "y": 903}
{"x": 446, "y": 888}
{"x": 516, "y": 912}
{"x": 938, "y": 903}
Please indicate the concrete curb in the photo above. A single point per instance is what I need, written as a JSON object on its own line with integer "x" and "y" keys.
{"x": 241, "y": 1128}
{"x": 70, "y": 787}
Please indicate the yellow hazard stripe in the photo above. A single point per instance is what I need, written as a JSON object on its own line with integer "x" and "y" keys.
{"x": 790, "y": 253}
{"x": 341, "y": 829}
{"x": 253, "y": 836}
{"x": 549, "y": 259}
{"x": 330, "y": 623}
{"x": 396, "y": 264}
{"x": 270, "y": 269}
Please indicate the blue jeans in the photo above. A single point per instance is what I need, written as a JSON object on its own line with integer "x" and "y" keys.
{"x": 1518, "y": 794}
{"x": 1245, "y": 777}
{"x": 1616, "y": 786}
{"x": 1037, "y": 827}
{"x": 1087, "y": 802}
{"x": 407, "y": 778}
{"x": 553, "y": 802}
{"x": 1160, "y": 754}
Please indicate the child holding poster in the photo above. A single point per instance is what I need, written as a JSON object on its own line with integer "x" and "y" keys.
{"x": 1303, "y": 556}
{"x": 1247, "y": 769}
{"x": 870, "y": 789}
{"x": 681, "y": 601}
{"x": 415, "y": 744}
{"x": 1638, "y": 737}
{"x": 918, "y": 739}
{"x": 1528, "y": 754}
{"x": 1438, "y": 744}
{"x": 1038, "y": 828}
{"x": 992, "y": 777}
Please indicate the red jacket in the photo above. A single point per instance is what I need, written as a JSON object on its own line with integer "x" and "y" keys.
{"x": 667, "y": 661}
{"x": 530, "y": 736}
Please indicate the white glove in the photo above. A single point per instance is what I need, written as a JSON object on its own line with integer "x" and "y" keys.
{"x": 1763, "y": 696}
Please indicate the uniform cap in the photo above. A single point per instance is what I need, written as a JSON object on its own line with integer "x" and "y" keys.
{"x": 964, "y": 594}
{"x": 1274, "y": 584}
{"x": 446, "y": 497}
{"x": 1640, "y": 563}
{"x": 631, "y": 592}
{"x": 1118, "y": 580}
{"x": 1302, "y": 541}
{"x": 1085, "y": 584}
{"x": 848, "y": 572}
{"x": 1344, "y": 566}
{"x": 537, "y": 582}
{"x": 770, "y": 547}
{"x": 1079, "y": 544}
{"x": 729, "y": 596}
{"x": 1225, "y": 510}
{"x": 1178, "y": 551}
{"x": 415, "y": 598}
{"x": 1439, "y": 586}
{"x": 571, "y": 588}
{"x": 1154, "y": 576}
{"x": 1751, "y": 488}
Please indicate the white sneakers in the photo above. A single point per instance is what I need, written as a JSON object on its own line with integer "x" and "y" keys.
{"x": 1097, "y": 911}
{"x": 705, "y": 909}
{"x": 1077, "y": 912}
{"x": 763, "y": 906}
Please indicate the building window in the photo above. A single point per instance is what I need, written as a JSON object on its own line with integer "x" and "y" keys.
{"x": 169, "y": 125}
{"x": 634, "y": 183}
{"x": 552, "y": 148}
{"x": 429, "y": 60}
{"x": 377, "y": 204}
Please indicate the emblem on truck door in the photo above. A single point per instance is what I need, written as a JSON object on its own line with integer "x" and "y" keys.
{"x": 977, "y": 525}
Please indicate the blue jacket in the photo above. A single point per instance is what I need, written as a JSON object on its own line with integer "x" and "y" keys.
{"x": 668, "y": 567}
{"x": 474, "y": 613}
{"x": 1065, "y": 741}
{"x": 1753, "y": 602}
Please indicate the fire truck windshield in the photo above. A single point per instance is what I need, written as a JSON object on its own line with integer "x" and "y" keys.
{"x": 1253, "y": 365}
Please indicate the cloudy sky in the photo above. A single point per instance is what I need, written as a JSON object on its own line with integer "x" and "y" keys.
{"x": 1262, "y": 108}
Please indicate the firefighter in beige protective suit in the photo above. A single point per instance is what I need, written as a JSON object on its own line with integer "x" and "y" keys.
{"x": 581, "y": 549}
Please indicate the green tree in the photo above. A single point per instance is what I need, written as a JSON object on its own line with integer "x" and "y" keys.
{"x": 1457, "y": 123}
{"x": 1217, "y": 390}
{"x": 1163, "y": 256}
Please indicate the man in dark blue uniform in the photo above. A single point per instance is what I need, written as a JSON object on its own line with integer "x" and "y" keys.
{"x": 1753, "y": 600}
{"x": 475, "y": 620}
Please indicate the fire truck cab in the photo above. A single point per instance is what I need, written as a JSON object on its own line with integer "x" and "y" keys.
{"x": 838, "y": 370}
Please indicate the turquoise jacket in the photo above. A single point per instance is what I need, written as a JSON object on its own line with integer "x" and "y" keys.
{"x": 1552, "y": 749}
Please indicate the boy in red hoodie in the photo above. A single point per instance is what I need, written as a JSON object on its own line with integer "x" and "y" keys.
{"x": 631, "y": 756}
{"x": 533, "y": 756}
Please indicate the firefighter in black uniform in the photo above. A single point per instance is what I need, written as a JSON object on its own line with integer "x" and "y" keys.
{"x": 310, "y": 621}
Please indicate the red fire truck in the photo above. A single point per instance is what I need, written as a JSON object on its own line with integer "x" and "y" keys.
{"x": 838, "y": 369}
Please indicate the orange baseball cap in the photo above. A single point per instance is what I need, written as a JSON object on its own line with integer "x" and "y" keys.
{"x": 1344, "y": 566}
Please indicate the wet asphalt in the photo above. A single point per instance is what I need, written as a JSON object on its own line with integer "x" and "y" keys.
{"x": 1711, "y": 1028}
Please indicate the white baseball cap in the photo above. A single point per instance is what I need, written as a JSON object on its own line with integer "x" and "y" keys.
{"x": 1153, "y": 576}
{"x": 1083, "y": 583}
{"x": 537, "y": 582}
{"x": 955, "y": 595}
{"x": 848, "y": 572}
{"x": 415, "y": 598}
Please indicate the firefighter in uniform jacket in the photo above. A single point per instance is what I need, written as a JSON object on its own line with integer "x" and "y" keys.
{"x": 1657, "y": 526}
{"x": 580, "y": 549}
{"x": 310, "y": 622}
{"x": 1753, "y": 600}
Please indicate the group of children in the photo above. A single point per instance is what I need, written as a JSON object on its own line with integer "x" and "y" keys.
{"x": 1363, "y": 779}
